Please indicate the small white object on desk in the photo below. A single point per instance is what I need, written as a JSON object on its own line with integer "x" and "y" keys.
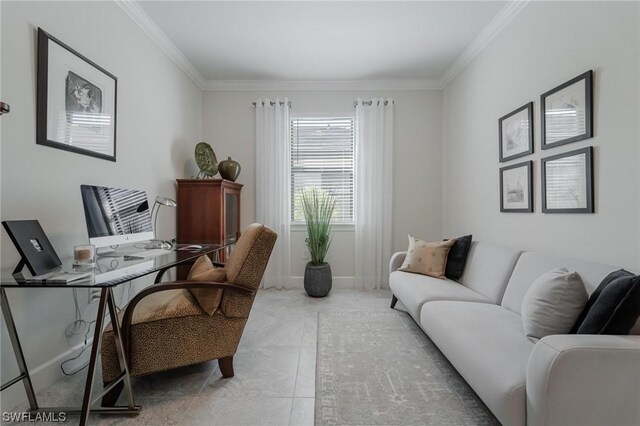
{"x": 84, "y": 255}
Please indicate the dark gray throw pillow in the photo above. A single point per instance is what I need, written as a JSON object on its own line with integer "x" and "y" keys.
{"x": 596, "y": 293}
{"x": 614, "y": 306}
{"x": 457, "y": 257}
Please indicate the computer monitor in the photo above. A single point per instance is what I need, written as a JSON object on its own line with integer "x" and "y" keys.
{"x": 116, "y": 216}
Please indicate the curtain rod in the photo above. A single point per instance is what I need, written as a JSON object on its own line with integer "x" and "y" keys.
{"x": 273, "y": 103}
{"x": 386, "y": 102}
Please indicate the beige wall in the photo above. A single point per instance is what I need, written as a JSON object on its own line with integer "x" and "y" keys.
{"x": 229, "y": 126}
{"x": 159, "y": 119}
{"x": 547, "y": 44}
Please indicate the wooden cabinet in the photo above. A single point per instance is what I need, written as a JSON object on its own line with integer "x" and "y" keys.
{"x": 208, "y": 211}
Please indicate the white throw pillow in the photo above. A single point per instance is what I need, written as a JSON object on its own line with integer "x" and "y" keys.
{"x": 553, "y": 303}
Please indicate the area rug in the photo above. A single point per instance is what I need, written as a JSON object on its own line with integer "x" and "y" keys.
{"x": 379, "y": 368}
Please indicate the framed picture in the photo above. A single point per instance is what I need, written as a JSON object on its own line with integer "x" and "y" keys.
{"x": 516, "y": 188}
{"x": 567, "y": 112}
{"x": 567, "y": 182}
{"x": 516, "y": 133}
{"x": 76, "y": 109}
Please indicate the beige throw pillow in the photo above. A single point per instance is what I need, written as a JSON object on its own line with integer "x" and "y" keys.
{"x": 203, "y": 270}
{"x": 427, "y": 258}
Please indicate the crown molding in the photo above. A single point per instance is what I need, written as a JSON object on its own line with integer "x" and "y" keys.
{"x": 144, "y": 21}
{"x": 319, "y": 85}
{"x": 495, "y": 27}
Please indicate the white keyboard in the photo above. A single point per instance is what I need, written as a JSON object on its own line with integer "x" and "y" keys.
{"x": 136, "y": 252}
{"x": 150, "y": 253}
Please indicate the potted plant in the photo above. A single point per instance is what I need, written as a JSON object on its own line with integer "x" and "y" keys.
{"x": 318, "y": 206}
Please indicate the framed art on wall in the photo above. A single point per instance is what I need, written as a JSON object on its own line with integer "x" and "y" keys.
{"x": 567, "y": 112}
{"x": 516, "y": 133}
{"x": 516, "y": 188}
{"x": 76, "y": 108}
{"x": 567, "y": 182}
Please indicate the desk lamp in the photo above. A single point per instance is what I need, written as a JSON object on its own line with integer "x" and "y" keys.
{"x": 155, "y": 243}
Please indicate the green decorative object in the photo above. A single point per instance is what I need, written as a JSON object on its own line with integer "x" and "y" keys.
{"x": 229, "y": 169}
{"x": 318, "y": 206}
{"x": 206, "y": 160}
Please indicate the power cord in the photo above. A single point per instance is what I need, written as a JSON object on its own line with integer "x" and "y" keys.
{"x": 75, "y": 327}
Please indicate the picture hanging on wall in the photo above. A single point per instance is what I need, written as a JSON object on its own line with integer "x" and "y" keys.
{"x": 567, "y": 112}
{"x": 76, "y": 108}
{"x": 516, "y": 133}
{"x": 567, "y": 182}
{"x": 516, "y": 188}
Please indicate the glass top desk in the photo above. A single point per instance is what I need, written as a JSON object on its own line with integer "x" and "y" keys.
{"x": 109, "y": 272}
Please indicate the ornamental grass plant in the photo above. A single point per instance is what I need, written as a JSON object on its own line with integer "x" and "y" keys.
{"x": 318, "y": 206}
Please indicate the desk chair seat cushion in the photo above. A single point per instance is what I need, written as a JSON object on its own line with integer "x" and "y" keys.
{"x": 203, "y": 270}
{"x": 163, "y": 305}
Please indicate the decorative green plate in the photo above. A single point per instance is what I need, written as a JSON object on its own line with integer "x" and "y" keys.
{"x": 206, "y": 159}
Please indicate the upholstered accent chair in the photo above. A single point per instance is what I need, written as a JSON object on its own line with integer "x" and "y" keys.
{"x": 164, "y": 327}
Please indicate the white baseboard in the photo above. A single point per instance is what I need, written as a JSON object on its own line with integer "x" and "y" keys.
{"x": 337, "y": 282}
{"x": 42, "y": 376}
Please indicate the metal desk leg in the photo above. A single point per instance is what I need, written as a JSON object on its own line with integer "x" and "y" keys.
{"x": 17, "y": 349}
{"x": 95, "y": 350}
{"x": 122, "y": 356}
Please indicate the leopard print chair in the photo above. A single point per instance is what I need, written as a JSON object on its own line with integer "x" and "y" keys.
{"x": 164, "y": 327}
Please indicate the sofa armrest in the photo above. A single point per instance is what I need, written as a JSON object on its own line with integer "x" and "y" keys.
{"x": 584, "y": 380}
{"x": 396, "y": 260}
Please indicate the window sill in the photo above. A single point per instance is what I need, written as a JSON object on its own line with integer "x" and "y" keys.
{"x": 336, "y": 227}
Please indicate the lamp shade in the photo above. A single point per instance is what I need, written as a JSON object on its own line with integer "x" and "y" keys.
{"x": 166, "y": 201}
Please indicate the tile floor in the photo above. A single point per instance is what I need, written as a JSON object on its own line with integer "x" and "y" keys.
{"x": 274, "y": 382}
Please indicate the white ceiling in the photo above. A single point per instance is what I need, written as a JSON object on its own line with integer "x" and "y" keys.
{"x": 322, "y": 41}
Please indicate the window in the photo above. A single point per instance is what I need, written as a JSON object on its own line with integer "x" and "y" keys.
{"x": 322, "y": 155}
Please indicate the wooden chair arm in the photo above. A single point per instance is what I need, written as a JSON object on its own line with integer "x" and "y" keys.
{"x": 127, "y": 318}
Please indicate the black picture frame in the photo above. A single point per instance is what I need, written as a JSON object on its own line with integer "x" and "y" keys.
{"x": 506, "y": 121}
{"x": 581, "y": 101}
{"x": 527, "y": 193}
{"x": 76, "y": 102}
{"x": 577, "y": 186}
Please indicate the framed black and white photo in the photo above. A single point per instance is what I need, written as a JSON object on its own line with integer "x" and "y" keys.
{"x": 516, "y": 133}
{"x": 567, "y": 112}
{"x": 76, "y": 108}
{"x": 567, "y": 182}
{"x": 516, "y": 188}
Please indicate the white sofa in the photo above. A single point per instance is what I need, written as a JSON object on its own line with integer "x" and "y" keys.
{"x": 476, "y": 323}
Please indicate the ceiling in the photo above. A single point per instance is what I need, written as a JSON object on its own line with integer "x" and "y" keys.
{"x": 321, "y": 41}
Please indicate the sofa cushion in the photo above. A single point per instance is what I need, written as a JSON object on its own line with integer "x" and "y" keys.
{"x": 487, "y": 345}
{"x": 488, "y": 269}
{"x": 553, "y": 303}
{"x": 533, "y": 264}
{"x": 413, "y": 290}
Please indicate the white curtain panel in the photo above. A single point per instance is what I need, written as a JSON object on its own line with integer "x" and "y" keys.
{"x": 374, "y": 192}
{"x": 273, "y": 185}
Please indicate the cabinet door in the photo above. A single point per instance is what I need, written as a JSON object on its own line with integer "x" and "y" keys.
{"x": 231, "y": 215}
{"x": 198, "y": 214}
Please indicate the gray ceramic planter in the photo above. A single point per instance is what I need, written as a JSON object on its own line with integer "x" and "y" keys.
{"x": 317, "y": 279}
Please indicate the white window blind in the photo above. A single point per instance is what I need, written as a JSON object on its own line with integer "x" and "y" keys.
{"x": 322, "y": 155}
